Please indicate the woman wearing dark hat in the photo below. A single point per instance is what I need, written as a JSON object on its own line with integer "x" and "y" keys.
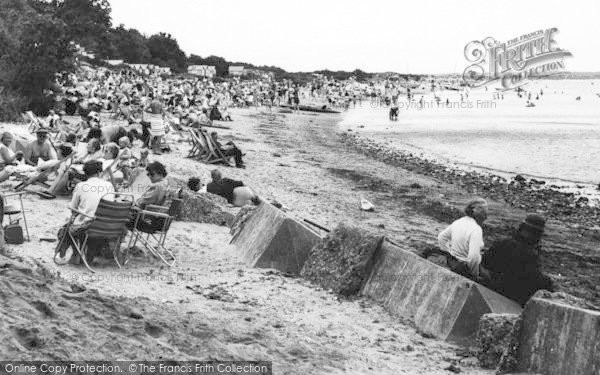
{"x": 514, "y": 263}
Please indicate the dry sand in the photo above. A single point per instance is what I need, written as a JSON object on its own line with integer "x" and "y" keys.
{"x": 210, "y": 305}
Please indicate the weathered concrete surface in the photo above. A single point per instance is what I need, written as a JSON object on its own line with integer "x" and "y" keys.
{"x": 343, "y": 260}
{"x": 441, "y": 303}
{"x": 558, "y": 339}
{"x": 492, "y": 338}
{"x": 269, "y": 238}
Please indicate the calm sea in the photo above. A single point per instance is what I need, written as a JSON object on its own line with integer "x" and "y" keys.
{"x": 558, "y": 139}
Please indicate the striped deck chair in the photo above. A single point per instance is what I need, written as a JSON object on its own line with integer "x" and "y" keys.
{"x": 216, "y": 156}
{"x": 108, "y": 223}
{"x": 199, "y": 149}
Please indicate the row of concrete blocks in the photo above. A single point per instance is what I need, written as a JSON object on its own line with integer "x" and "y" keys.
{"x": 556, "y": 339}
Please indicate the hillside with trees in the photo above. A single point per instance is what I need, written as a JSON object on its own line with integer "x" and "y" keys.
{"x": 35, "y": 46}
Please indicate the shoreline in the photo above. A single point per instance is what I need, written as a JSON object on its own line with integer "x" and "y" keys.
{"x": 530, "y": 194}
{"x": 300, "y": 160}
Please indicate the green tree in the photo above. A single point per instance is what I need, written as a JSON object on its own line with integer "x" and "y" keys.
{"x": 165, "y": 51}
{"x": 35, "y": 47}
{"x": 129, "y": 45}
{"x": 88, "y": 23}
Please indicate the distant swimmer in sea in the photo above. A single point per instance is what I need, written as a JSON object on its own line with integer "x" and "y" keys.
{"x": 578, "y": 98}
{"x": 530, "y": 104}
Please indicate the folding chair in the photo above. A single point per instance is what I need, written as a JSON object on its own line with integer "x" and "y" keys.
{"x": 199, "y": 149}
{"x": 35, "y": 124}
{"x": 108, "y": 171}
{"x": 108, "y": 223}
{"x": 155, "y": 222}
{"x": 40, "y": 178}
{"x": 12, "y": 210}
{"x": 216, "y": 156}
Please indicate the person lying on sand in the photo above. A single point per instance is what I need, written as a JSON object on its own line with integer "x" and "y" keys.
{"x": 463, "y": 241}
{"x": 514, "y": 262}
{"x": 235, "y": 192}
{"x": 69, "y": 175}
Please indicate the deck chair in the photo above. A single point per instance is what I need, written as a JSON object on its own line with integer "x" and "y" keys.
{"x": 216, "y": 156}
{"x": 108, "y": 223}
{"x": 154, "y": 222}
{"x": 199, "y": 149}
{"x": 41, "y": 177}
{"x": 107, "y": 173}
{"x": 35, "y": 123}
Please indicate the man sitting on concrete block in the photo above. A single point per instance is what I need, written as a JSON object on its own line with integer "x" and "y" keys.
{"x": 514, "y": 263}
{"x": 463, "y": 241}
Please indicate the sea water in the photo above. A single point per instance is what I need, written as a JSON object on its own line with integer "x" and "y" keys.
{"x": 557, "y": 139}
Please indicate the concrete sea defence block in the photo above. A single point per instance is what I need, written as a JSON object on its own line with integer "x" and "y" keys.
{"x": 492, "y": 338}
{"x": 343, "y": 260}
{"x": 440, "y": 302}
{"x": 269, "y": 238}
{"x": 558, "y": 339}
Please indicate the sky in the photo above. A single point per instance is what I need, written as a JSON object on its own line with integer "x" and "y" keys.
{"x": 417, "y": 37}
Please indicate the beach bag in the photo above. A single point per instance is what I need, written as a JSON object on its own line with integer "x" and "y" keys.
{"x": 13, "y": 234}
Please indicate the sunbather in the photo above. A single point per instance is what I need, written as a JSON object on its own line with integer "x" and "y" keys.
{"x": 7, "y": 156}
{"x": 234, "y": 191}
{"x": 203, "y": 119}
{"x": 41, "y": 148}
{"x": 112, "y": 133}
{"x": 69, "y": 175}
{"x": 229, "y": 149}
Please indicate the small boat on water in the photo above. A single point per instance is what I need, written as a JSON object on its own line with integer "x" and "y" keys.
{"x": 322, "y": 109}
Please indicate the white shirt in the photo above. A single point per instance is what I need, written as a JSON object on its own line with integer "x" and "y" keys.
{"x": 463, "y": 239}
{"x": 87, "y": 195}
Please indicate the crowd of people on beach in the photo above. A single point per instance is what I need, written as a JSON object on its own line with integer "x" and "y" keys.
{"x": 91, "y": 160}
{"x": 108, "y": 148}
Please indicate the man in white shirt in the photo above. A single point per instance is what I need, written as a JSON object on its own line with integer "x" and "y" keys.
{"x": 463, "y": 240}
{"x": 86, "y": 197}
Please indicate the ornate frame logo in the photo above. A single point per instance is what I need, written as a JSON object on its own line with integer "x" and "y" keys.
{"x": 512, "y": 63}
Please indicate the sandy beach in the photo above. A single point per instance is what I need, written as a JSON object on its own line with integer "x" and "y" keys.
{"x": 301, "y": 161}
{"x": 240, "y": 313}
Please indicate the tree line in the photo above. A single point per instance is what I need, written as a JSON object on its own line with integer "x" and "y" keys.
{"x": 35, "y": 45}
